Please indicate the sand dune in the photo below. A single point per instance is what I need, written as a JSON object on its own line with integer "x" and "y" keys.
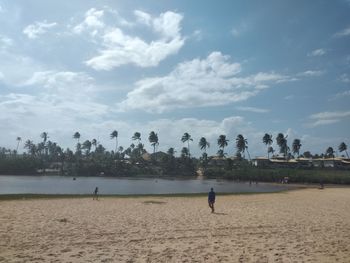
{"x": 308, "y": 225}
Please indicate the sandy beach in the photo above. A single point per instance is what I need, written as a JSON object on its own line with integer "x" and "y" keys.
{"x": 307, "y": 225}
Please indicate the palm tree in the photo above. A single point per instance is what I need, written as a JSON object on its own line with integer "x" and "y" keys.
{"x": 45, "y": 136}
{"x": 30, "y": 146}
{"x": 18, "y": 139}
{"x": 136, "y": 137}
{"x": 330, "y": 152}
{"x": 267, "y": 140}
{"x": 343, "y": 147}
{"x": 113, "y": 135}
{"x": 100, "y": 149}
{"x": 242, "y": 145}
{"x": 140, "y": 149}
{"x": 187, "y": 138}
{"x": 78, "y": 149}
{"x": 270, "y": 150}
{"x": 94, "y": 143}
{"x": 296, "y": 146}
{"x": 120, "y": 149}
{"x": 282, "y": 143}
{"x": 203, "y": 144}
{"x": 171, "y": 152}
{"x": 221, "y": 153}
{"x": 52, "y": 149}
{"x": 184, "y": 152}
{"x": 153, "y": 139}
{"x": 76, "y": 135}
{"x": 222, "y": 142}
{"x": 307, "y": 154}
{"x": 87, "y": 147}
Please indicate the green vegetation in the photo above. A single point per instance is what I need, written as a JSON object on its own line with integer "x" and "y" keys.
{"x": 90, "y": 158}
{"x": 326, "y": 176}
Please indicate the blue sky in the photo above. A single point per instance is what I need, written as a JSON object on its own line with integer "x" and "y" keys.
{"x": 202, "y": 67}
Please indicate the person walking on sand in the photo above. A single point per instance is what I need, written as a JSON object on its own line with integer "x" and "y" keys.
{"x": 95, "y": 194}
{"x": 211, "y": 199}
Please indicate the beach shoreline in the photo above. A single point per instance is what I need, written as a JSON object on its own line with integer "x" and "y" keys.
{"x": 308, "y": 225}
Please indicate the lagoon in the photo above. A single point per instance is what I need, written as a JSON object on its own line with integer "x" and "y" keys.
{"x": 126, "y": 186}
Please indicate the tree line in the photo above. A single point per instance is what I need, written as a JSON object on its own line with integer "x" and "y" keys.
{"x": 241, "y": 145}
{"x": 91, "y": 154}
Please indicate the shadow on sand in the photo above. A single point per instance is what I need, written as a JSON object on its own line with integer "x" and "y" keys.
{"x": 220, "y": 214}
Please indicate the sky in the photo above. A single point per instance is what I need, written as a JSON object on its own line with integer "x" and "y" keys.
{"x": 203, "y": 67}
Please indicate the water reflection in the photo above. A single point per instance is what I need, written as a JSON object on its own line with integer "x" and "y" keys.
{"x": 124, "y": 186}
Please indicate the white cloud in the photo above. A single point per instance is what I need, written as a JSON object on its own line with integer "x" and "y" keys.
{"x": 168, "y": 24}
{"x": 86, "y": 118}
{"x": 328, "y": 117}
{"x": 317, "y": 52}
{"x": 239, "y": 30}
{"x": 143, "y": 18}
{"x": 197, "y": 35}
{"x": 16, "y": 68}
{"x": 29, "y": 115}
{"x": 289, "y": 97}
{"x": 209, "y": 82}
{"x": 67, "y": 90}
{"x": 235, "y": 32}
{"x": 323, "y": 122}
{"x": 253, "y": 109}
{"x": 347, "y": 59}
{"x": 343, "y": 33}
{"x": 170, "y": 132}
{"x": 64, "y": 82}
{"x": 38, "y": 28}
{"x": 57, "y": 102}
{"x": 341, "y": 95}
{"x": 312, "y": 73}
{"x": 344, "y": 78}
{"x": 92, "y": 22}
{"x": 120, "y": 48}
{"x": 5, "y": 42}
{"x": 330, "y": 114}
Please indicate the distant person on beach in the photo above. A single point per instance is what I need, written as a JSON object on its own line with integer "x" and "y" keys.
{"x": 211, "y": 199}
{"x": 321, "y": 185}
{"x": 95, "y": 194}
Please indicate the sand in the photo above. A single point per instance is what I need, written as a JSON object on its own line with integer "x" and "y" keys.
{"x": 307, "y": 225}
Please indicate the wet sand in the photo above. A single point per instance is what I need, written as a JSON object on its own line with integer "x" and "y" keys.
{"x": 308, "y": 225}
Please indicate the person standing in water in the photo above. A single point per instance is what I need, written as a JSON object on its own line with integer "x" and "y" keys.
{"x": 95, "y": 194}
{"x": 211, "y": 199}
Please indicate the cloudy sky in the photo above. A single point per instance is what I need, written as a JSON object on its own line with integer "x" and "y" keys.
{"x": 202, "y": 67}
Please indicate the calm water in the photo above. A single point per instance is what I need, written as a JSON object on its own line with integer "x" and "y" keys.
{"x": 123, "y": 186}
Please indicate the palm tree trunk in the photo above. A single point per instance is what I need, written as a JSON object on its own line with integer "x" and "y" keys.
{"x": 188, "y": 145}
{"x": 347, "y": 153}
{"x": 248, "y": 155}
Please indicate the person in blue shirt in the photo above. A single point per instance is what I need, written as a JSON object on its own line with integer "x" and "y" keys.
{"x": 211, "y": 199}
